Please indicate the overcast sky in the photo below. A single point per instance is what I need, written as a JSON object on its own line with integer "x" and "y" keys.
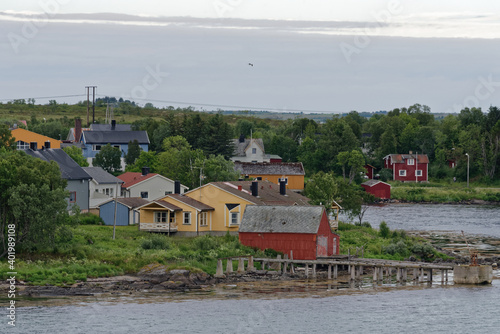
{"x": 332, "y": 56}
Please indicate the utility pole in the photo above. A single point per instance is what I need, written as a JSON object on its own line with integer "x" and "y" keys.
{"x": 93, "y": 104}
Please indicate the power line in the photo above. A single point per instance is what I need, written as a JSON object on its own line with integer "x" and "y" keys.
{"x": 231, "y": 106}
{"x": 43, "y": 97}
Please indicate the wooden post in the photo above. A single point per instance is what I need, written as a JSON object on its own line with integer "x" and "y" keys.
{"x": 285, "y": 264}
{"x": 398, "y": 275}
{"x": 415, "y": 274}
{"x": 314, "y": 270}
{"x": 349, "y": 269}
{"x": 360, "y": 272}
{"x": 241, "y": 265}
{"x": 375, "y": 276}
{"x": 353, "y": 272}
{"x": 229, "y": 266}
{"x": 442, "y": 276}
{"x": 446, "y": 274}
{"x": 422, "y": 275}
{"x": 292, "y": 266}
{"x": 307, "y": 270}
{"x": 430, "y": 275}
{"x": 381, "y": 274}
{"x": 329, "y": 271}
{"x": 335, "y": 271}
{"x": 405, "y": 274}
{"x": 250, "y": 264}
{"x": 278, "y": 264}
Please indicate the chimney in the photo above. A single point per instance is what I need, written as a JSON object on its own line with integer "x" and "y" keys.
{"x": 177, "y": 187}
{"x": 47, "y": 144}
{"x": 145, "y": 171}
{"x": 78, "y": 129}
{"x": 34, "y": 145}
{"x": 242, "y": 138}
{"x": 255, "y": 188}
{"x": 283, "y": 187}
{"x": 240, "y": 188}
{"x": 113, "y": 124}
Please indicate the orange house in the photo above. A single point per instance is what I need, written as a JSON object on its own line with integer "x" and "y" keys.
{"x": 290, "y": 172}
{"x": 24, "y": 138}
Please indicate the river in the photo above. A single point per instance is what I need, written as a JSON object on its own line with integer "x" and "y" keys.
{"x": 304, "y": 307}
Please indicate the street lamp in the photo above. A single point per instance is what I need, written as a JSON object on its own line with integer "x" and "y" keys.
{"x": 467, "y": 154}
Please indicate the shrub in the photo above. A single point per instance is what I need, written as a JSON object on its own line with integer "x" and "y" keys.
{"x": 90, "y": 219}
{"x": 205, "y": 242}
{"x": 156, "y": 242}
{"x": 384, "y": 230}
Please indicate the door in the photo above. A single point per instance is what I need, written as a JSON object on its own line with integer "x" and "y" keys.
{"x": 322, "y": 246}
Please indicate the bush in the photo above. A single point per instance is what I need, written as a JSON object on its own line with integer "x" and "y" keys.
{"x": 384, "y": 230}
{"x": 156, "y": 242}
{"x": 90, "y": 219}
{"x": 205, "y": 243}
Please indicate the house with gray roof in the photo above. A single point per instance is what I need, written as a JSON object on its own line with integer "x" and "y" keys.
{"x": 126, "y": 211}
{"x": 252, "y": 150}
{"x": 291, "y": 172}
{"x": 301, "y": 232}
{"x": 78, "y": 179}
{"x": 103, "y": 186}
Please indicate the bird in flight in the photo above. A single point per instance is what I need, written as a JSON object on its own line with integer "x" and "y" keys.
{"x": 250, "y": 64}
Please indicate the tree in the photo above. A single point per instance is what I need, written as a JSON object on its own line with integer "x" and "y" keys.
{"x": 353, "y": 160}
{"x": 76, "y": 154}
{"x": 217, "y": 138}
{"x": 6, "y": 140}
{"x": 109, "y": 158}
{"x": 322, "y": 189}
{"x": 32, "y": 199}
{"x": 134, "y": 151}
{"x": 217, "y": 168}
{"x": 146, "y": 159}
{"x": 283, "y": 146}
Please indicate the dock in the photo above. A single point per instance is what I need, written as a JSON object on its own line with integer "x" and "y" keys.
{"x": 403, "y": 271}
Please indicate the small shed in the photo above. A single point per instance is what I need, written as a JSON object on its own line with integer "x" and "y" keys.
{"x": 370, "y": 171}
{"x": 377, "y": 188}
{"x": 301, "y": 230}
{"x": 125, "y": 211}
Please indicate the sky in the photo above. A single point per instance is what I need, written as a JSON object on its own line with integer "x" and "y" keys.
{"x": 277, "y": 55}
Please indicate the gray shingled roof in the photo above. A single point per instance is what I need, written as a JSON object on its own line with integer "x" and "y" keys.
{"x": 115, "y": 137}
{"x": 70, "y": 170}
{"x": 101, "y": 176}
{"x": 240, "y": 147}
{"x": 281, "y": 219}
{"x": 191, "y": 202}
{"x": 266, "y": 168}
{"x": 107, "y": 127}
{"x": 371, "y": 183}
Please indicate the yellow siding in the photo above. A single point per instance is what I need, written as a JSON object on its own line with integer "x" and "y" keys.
{"x": 217, "y": 198}
{"x": 295, "y": 182}
{"x": 29, "y": 137}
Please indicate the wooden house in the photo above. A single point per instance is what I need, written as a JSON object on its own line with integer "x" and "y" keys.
{"x": 30, "y": 140}
{"x": 299, "y": 230}
{"x": 370, "y": 171}
{"x": 291, "y": 172}
{"x": 408, "y": 167}
{"x": 377, "y": 188}
{"x": 126, "y": 211}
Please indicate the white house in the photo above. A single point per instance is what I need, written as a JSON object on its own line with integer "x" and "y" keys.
{"x": 249, "y": 150}
{"x": 149, "y": 186}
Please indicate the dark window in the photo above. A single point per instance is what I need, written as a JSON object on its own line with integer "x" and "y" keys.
{"x": 144, "y": 194}
{"x": 72, "y": 196}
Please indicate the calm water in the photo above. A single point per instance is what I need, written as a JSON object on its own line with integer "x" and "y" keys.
{"x": 436, "y": 217}
{"x": 386, "y": 309}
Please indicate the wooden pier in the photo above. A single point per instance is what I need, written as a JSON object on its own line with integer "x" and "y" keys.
{"x": 403, "y": 271}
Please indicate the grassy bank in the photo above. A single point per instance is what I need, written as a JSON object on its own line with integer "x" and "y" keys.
{"x": 443, "y": 192}
{"x": 88, "y": 251}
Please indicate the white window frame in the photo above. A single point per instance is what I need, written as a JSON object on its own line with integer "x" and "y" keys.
{"x": 418, "y": 172}
{"x": 22, "y": 145}
{"x": 410, "y": 162}
{"x": 96, "y": 147}
{"x": 254, "y": 150}
{"x": 402, "y": 172}
{"x": 186, "y": 214}
{"x": 144, "y": 194}
{"x": 203, "y": 218}
{"x": 161, "y": 216}
{"x": 234, "y": 215}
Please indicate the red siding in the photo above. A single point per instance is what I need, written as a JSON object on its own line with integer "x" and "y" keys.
{"x": 380, "y": 190}
{"x": 410, "y": 170}
{"x": 304, "y": 245}
{"x": 369, "y": 171}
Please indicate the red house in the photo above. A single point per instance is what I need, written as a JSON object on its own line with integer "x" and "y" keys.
{"x": 408, "y": 167}
{"x": 303, "y": 230}
{"x": 370, "y": 171}
{"x": 377, "y": 188}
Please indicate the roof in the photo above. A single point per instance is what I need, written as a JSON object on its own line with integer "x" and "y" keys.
{"x": 70, "y": 170}
{"x": 268, "y": 193}
{"x": 371, "y": 183}
{"x": 270, "y": 168}
{"x": 191, "y": 202}
{"x": 115, "y": 137}
{"x": 30, "y": 136}
{"x": 241, "y": 147}
{"x": 400, "y": 158}
{"x": 281, "y": 219}
{"x": 107, "y": 127}
{"x": 130, "y": 202}
{"x": 132, "y": 178}
{"x": 168, "y": 205}
{"x": 101, "y": 176}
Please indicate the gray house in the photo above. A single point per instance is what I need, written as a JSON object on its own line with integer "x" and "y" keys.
{"x": 103, "y": 186}
{"x": 126, "y": 213}
{"x": 78, "y": 179}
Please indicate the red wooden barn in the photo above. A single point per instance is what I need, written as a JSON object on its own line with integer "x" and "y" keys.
{"x": 370, "y": 171}
{"x": 408, "y": 167}
{"x": 302, "y": 229}
{"x": 377, "y": 188}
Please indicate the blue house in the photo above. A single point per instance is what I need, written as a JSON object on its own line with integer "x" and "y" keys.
{"x": 94, "y": 140}
{"x": 125, "y": 211}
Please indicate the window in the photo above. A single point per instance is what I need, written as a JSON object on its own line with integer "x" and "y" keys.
{"x": 187, "y": 218}
{"x": 144, "y": 194}
{"x": 203, "y": 219}
{"x": 411, "y": 162}
{"x": 235, "y": 218}
{"x": 161, "y": 217}
{"x": 96, "y": 147}
{"x": 172, "y": 218}
{"x": 402, "y": 172}
{"x": 419, "y": 172}
{"x": 72, "y": 196}
{"x": 168, "y": 192}
{"x": 21, "y": 145}
{"x": 254, "y": 150}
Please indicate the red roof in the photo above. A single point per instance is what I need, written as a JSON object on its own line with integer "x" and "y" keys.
{"x": 131, "y": 178}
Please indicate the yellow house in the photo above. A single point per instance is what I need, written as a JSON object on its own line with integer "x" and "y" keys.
{"x": 215, "y": 208}
{"x": 291, "y": 172}
{"x": 24, "y": 138}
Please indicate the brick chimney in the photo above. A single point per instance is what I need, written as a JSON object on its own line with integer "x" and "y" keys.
{"x": 78, "y": 129}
